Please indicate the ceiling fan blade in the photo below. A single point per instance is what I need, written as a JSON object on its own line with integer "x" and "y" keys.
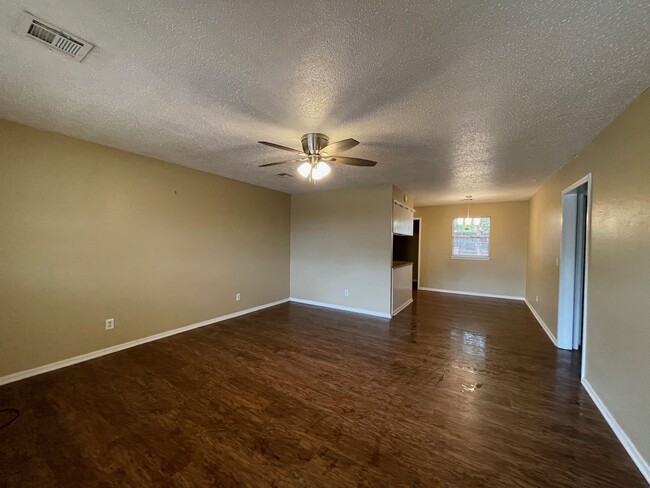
{"x": 280, "y": 162}
{"x": 350, "y": 161}
{"x": 340, "y": 146}
{"x": 278, "y": 146}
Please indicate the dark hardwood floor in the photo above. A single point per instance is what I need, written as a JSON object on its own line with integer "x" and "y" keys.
{"x": 453, "y": 392}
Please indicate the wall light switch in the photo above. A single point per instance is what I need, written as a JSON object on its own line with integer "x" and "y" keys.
{"x": 346, "y": 293}
{"x": 237, "y": 296}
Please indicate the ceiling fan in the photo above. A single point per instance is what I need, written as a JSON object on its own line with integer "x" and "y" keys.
{"x": 316, "y": 153}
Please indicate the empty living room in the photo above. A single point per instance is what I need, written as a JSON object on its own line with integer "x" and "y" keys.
{"x": 324, "y": 244}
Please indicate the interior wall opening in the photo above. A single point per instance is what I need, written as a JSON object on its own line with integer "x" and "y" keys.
{"x": 572, "y": 306}
{"x": 407, "y": 248}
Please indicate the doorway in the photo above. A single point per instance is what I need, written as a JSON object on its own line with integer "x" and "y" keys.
{"x": 407, "y": 248}
{"x": 574, "y": 259}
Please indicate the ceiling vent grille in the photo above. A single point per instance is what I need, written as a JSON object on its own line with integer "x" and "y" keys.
{"x": 41, "y": 32}
{"x": 53, "y": 37}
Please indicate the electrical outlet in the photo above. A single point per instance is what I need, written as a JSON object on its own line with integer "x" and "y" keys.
{"x": 110, "y": 324}
{"x": 237, "y": 297}
{"x": 346, "y": 293}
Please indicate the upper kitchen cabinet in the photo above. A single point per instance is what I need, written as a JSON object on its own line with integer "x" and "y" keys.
{"x": 402, "y": 213}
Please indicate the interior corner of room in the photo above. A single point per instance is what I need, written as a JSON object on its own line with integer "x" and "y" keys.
{"x": 165, "y": 246}
{"x": 343, "y": 237}
{"x": 128, "y": 216}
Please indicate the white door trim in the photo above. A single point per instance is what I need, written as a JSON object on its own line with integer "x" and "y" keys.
{"x": 567, "y": 264}
{"x": 419, "y": 249}
{"x": 580, "y": 182}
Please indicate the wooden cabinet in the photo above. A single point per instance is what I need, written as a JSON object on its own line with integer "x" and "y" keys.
{"x": 402, "y": 219}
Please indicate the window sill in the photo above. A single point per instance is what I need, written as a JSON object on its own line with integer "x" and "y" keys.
{"x": 472, "y": 258}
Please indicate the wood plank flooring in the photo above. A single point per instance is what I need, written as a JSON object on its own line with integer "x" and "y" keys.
{"x": 453, "y": 392}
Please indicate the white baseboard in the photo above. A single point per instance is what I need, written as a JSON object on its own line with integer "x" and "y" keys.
{"x": 120, "y": 347}
{"x": 631, "y": 449}
{"x": 542, "y": 323}
{"x": 395, "y": 312}
{"x": 472, "y": 294}
{"x": 341, "y": 307}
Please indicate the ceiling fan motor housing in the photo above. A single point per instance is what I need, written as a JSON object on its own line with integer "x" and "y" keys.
{"x": 313, "y": 142}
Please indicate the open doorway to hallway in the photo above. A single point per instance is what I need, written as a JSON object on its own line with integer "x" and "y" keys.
{"x": 574, "y": 258}
{"x": 407, "y": 248}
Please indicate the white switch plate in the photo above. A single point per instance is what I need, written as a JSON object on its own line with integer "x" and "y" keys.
{"x": 110, "y": 324}
{"x": 536, "y": 298}
{"x": 346, "y": 293}
{"x": 237, "y": 296}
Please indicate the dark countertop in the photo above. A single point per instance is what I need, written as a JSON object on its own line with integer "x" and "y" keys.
{"x": 399, "y": 264}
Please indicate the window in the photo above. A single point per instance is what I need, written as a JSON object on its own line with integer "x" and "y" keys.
{"x": 471, "y": 238}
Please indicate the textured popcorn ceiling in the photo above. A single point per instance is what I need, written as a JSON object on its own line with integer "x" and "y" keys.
{"x": 450, "y": 97}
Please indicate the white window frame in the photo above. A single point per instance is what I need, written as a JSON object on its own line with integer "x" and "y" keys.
{"x": 467, "y": 257}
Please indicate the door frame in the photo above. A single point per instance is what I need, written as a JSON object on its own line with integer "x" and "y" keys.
{"x": 566, "y": 303}
{"x": 419, "y": 219}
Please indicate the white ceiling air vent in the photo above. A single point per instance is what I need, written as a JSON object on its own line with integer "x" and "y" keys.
{"x": 53, "y": 37}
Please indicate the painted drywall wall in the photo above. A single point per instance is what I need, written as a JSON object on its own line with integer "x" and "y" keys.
{"x": 618, "y": 310}
{"x": 89, "y": 233}
{"x": 504, "y": 274}
{"x": 340, "y": 240}
{"x": 402, "y": 197}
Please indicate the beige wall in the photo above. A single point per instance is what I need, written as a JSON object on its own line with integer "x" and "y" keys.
{"x": 400, "y": 196}
{"x": 504, "y": 274}
{"x": 618, "y": 321}
{"x": 342, "y": 239}
{"x": 88, "y": 233}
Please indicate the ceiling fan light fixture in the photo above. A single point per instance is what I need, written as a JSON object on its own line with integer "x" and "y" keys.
{"x": 321, "y": 170}
{"x": 304, "y": 169}
{"x": 315, "y": 155}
